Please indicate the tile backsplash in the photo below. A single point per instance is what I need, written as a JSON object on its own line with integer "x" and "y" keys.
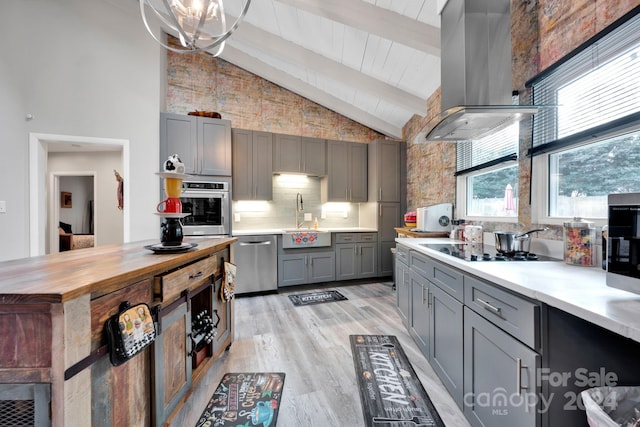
{"x": 281, "y": 211}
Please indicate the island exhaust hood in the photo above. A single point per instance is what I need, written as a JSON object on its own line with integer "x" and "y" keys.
{"x": 475, "y": 72}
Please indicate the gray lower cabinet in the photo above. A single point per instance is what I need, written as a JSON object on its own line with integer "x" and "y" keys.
{"x": 419, "y": 320}
{"x": 436, "y": 326}
{"x": 403, "y": 290}
{"x": 446, "y": 341}
{"x": 356, "y": 260}
{"x": 303, "y": 268}
{"x": 499, "y": 376}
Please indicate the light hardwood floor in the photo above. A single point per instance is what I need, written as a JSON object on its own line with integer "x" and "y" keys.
{"x": 311, "y": 345}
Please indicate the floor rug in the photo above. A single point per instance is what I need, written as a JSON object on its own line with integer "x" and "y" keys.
{"x": 244, "y": 399}
{"x": 316, "y": 297}
{"x": 390, "y": 391}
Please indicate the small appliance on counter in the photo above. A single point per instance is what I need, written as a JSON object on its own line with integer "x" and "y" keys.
{"x": 434, "y": 218}
{"x": 623, "y": 242}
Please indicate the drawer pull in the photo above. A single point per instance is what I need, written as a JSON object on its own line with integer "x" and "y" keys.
{"x": 519, "y": 367}
{"x": 490, "y": 307}
{"x": 197, "y": 275}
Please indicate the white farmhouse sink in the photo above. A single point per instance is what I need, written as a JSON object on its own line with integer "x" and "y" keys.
{"x": 305, "y": 238}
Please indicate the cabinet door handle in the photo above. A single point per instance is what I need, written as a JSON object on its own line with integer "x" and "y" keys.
{"x": 197, "y": 275}
{"x": 380, "y": 194}
{"x": 490, "y": 307}
{"x": 306, "y": 259}
{"x": 519, "y": 367}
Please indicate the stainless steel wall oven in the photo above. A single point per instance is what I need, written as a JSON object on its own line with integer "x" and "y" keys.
{"x": 208, "y": 201}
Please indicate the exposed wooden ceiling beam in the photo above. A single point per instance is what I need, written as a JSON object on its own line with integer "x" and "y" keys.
{"x": 376, "y": 20}
{"x": 279, "y": 77}
{"x": 295, "y": 54}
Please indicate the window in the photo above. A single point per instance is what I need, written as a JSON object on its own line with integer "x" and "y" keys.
{"x": 582, "y": 177}
{"x": 488, "y": 176}
{"x": 589, "y": 145}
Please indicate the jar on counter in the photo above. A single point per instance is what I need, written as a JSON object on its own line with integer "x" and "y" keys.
{"x": 579, "y": 242}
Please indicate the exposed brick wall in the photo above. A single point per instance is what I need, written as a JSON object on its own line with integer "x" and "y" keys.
{"x": 203, "y": 82}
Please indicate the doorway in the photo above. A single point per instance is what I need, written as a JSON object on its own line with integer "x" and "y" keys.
{"x": 42, "y": 147}
{"x": 72, "y": 212}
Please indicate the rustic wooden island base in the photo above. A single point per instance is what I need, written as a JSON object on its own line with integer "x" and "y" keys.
{"x": 54, "y": 362}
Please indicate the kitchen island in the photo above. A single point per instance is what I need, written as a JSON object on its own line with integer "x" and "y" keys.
{"x": 515, "y": 342}
{"x": 53, "y": 309}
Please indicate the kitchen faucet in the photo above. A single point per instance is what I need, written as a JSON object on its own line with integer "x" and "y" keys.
{"x": 299, "y": 208}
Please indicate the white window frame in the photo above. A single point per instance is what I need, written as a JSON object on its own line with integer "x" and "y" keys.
{"x": 461, "y": 195}
{"x": 540, "y": 183}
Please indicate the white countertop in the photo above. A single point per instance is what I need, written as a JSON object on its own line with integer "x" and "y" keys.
{"x": 263, "y": 231}
{"x": 581, "y": 291}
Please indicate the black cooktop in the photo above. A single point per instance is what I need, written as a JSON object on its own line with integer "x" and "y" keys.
{"x": 479, "y": 252}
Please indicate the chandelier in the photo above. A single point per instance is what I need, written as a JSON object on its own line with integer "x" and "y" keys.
{"x": 199, "y": 24}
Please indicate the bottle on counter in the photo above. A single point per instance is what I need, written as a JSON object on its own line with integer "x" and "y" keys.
{"x": 460, "y": 229}
{"x": 315, "y": 224}
{"x": 454, "y": 226}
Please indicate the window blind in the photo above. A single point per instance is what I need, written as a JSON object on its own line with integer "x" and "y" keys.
{"x": 596, "y": 86}
{"x": 496, "y": 148}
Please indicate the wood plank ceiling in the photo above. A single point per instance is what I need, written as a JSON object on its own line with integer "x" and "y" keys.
{"x": 374, "y": 61}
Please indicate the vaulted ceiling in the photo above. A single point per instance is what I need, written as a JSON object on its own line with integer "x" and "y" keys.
{"x": 373, "y": 61}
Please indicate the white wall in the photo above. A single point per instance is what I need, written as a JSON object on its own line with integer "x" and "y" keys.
{"x": 81, "y": 68}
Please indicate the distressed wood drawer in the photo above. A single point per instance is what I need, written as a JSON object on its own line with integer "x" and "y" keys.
{"x": 169, "y": 286}
{"x": 515, "y": 315}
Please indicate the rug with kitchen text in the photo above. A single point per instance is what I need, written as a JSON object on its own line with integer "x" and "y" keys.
{"x": 390, "y": 391}
{"x": 244, "y": 399}
{"x": 316, "y": 297}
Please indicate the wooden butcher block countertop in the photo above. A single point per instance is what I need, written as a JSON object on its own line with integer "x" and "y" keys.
{"x": 406, "y": 231}
{"x": 97, "y": 271}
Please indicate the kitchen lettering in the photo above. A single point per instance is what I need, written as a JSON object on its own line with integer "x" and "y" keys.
{"x": 390, "y": 386}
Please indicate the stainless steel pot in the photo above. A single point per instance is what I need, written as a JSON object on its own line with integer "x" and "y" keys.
{"x": 508, "y": 242}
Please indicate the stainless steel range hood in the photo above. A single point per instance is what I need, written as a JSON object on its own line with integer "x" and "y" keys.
{"x": 475, "y": 72}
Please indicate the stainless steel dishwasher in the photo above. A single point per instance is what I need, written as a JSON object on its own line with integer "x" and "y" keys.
{"x": 256, "y": 259}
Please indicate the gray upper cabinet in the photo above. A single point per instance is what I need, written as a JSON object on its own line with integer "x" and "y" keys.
{"x": 295, "y": 154}
{"x": 346, "y": 179}
{"x": 203, "y": 144}
{"x": 252, "y": 165}
{"x": 384, "y": 171}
